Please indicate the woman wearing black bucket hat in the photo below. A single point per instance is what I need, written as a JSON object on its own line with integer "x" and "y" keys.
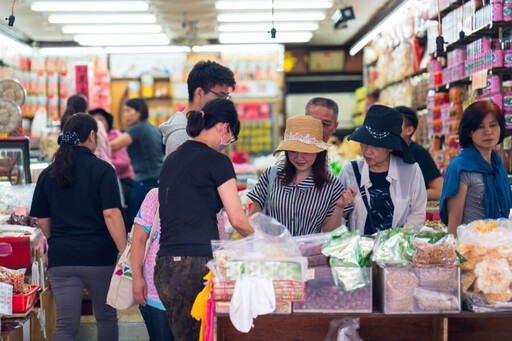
{"x": 390, "y": 183}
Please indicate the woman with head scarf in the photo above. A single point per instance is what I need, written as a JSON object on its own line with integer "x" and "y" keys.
{"x": 476, "y": 184}
{"x": 391, "y": 191}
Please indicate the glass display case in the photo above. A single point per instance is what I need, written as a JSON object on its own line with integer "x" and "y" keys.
{"x": 14, "y": 160}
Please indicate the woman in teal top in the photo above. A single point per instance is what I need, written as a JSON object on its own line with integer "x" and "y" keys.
{"x": 144, "y": 144}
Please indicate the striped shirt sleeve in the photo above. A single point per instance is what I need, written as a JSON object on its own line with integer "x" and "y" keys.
{"x": 336, "y": 194}
{"x": 259, "y": 193}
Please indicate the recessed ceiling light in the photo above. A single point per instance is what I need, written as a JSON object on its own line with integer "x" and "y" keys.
{"x": 122, "y": 39}
{"x": 267, "y": 16}
{"x": 140, "y": 28}
{"x": 292, "y": 4}
{"x": 284, "y": 37}
{"x": 88, "y": 6}
{"x": 102, "y": 19}
{"x": 280, "y": 26}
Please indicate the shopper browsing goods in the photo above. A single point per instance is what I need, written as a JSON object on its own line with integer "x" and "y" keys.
{"x": 195, "y": 183}
{"x": 144, "y": 291}
{"x": 207, "y": 80}
{"x": 77, "y": 203}
{"x": 301, "y": 194}
{"x": 431, "y": 174}
{"x": 143, "y": 142}
{"x": 476, "y": 184}
{"x": 390, "y": 185}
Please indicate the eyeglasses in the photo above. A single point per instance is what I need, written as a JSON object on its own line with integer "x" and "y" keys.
{"x": 222, "y": 95}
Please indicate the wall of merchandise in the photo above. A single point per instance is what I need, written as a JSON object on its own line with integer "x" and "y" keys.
{"x": 405, "y": 67}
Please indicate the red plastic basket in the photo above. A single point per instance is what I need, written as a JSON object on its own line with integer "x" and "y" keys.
{"x": 286, "y": 291}
{"x": 22, "y": 302}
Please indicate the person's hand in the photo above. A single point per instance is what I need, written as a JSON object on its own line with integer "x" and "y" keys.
{"x": 347, "y": 197}
{"x": 140, "y": 290}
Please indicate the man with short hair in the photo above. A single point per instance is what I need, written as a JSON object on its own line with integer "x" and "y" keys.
{"x": 325, "y": 110}
{"x": 207, "y": 80}
{"x": 431, "y": 174}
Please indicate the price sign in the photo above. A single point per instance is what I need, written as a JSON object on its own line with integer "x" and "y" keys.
{"x": 82, "y": 80}
{"x": 479, "y": 79}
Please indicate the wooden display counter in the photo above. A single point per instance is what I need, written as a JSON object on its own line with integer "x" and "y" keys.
{"x": 466, "y": 326}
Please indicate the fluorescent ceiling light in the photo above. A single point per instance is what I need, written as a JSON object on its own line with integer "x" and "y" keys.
{"x": 267, "y": 16}
{"x": 284, "y": 37}
{"x": 122, "y": 39}
{"x": 390, "y": 20}
{"x": 294, "y": 4}
{"x": 91, "y": 29}
{"x": 238, "y": 48}
{"x": 102, "y": 19}
{"x": 147, "y": 49}
{"x": 63, "y": 51}
{"x": 280, "y": 26}
{"x": 89, "y": 6}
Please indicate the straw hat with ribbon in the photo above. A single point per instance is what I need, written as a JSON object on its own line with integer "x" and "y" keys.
{"x": 303, "y": 134}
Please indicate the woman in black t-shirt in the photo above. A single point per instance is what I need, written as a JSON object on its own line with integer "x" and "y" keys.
{"x": 195, "y": 183}
{"x": 77, "y": 203}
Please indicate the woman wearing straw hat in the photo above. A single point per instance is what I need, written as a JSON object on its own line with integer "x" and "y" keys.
{"x": 390, "y": 183}
{"x": 302, "y": 194}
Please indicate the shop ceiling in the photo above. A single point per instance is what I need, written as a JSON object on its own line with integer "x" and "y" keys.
{"x": 197, "y": 22}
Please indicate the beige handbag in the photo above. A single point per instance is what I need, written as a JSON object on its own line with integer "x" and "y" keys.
{"x": 120, "y": 292}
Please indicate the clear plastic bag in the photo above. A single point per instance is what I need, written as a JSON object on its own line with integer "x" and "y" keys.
{"x": 438, "y": 254}
{"x": 272, "y": 238}
{"x": 344, "y": 329}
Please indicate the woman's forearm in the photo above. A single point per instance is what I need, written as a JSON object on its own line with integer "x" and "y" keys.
{"x": 115, "y": 224}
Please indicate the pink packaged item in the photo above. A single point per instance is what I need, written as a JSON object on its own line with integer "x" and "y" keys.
{"x": 497, "y": 12}
{"x": 507, "y": 101}
{"x": 494, "y": 58}
{"x": 507, "y": 11}
{"x": 493, "y": 85}
{"x": 508, "y": 119}
{"x": 458, "y": 72}
{"x": 507, "y": 58}
{"x": 496, "y": 98}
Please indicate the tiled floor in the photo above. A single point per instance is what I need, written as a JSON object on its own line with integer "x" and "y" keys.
{"x": 131, "y": 326}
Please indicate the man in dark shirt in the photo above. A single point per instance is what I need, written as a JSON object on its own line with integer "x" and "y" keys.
{"x": 431, "y": 174}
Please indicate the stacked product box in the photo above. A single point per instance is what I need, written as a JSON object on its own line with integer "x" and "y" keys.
{"x": 435, "y": 75}
{"x": 325, "y": 295}
{"x": 492, "y": 91}
{"x": 483, "y": 54}
{"x": 507, "y": 109}
{"x": 402, "y": 290}
{"x": 455, "y": 68}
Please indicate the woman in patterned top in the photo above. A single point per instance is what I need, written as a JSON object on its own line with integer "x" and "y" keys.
{"x": 303, "y": 195}
{"x": 391, "y": 188}
{"x": 144, "y": 291}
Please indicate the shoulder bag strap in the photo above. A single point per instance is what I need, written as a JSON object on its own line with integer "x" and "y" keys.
{"x": 357, "y": 174}
{"x": 271, "y": 181}
{"x": 153, "y": 230}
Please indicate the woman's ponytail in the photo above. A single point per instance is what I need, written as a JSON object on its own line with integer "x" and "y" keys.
{"x": 196, "y": 122}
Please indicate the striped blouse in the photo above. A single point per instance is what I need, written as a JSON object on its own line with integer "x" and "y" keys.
{"x": 302, "y": 208}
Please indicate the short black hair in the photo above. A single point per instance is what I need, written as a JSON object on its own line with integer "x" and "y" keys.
{"x": 410, "y": 116}
{"x": 323, "y": 102}
{"x": 108, "y": 117}
{"x": 473, "y": 116}
{"x": 140, "y": 106}
{"x": 207, "y": 74}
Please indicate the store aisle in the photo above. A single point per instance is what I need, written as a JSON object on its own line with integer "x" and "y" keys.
{"x": 131, "y": 326}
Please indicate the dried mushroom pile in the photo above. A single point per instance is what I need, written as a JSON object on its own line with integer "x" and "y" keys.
{"x": 487, "y": 271}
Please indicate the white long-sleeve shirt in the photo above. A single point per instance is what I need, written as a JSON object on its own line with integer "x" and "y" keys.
{"x": 407, "y": 191}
